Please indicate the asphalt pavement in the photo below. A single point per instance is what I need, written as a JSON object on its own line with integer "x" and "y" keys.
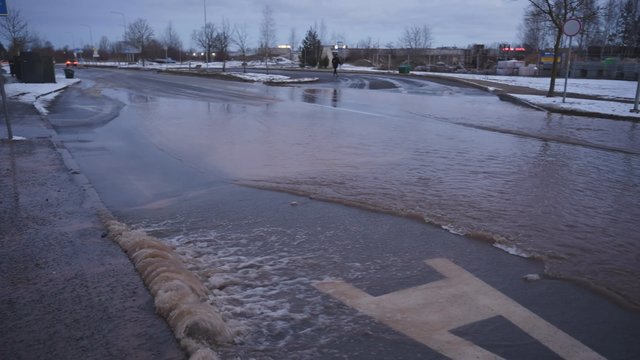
{"x": 69, "y": 292}
{"x": 66, "y": 291}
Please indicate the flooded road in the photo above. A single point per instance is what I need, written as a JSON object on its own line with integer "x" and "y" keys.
{"x": 559, "y": 188}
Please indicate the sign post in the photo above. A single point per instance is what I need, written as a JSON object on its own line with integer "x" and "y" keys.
{"x": 637, "y": 99}
{"x": 3, "y": 94}
{"x": 571, "y": 28}
{"x": 4, "y": 106}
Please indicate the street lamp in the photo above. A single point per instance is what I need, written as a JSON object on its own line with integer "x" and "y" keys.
{"x": 124, "y": 25}
{"x": 90, "y": 36}
{"x": 204, "y": 3}
{"x": 73, "y": 40}
{"x": 90, "y": 33}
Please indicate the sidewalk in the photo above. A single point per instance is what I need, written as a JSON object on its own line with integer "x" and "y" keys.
{"x": 581, "y": 104}
{"x": 66, "y": 291}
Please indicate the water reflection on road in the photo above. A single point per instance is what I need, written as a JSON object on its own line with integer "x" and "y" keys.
{"x": 561, "y": 188}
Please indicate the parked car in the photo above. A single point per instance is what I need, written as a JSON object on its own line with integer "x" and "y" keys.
{"x": 165, "y": 61}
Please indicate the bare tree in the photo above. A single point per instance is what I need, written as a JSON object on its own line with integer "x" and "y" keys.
{"x": 40, "y": 45}
{"x": 240, "y": 38}
{"x": 171, "y": 40}
{"x": 103, "y": 47}
{"x": 267, "y": 33}
{"x": 534, "y": 30}
{"x": 628, "y": 27}
{"x": 556, "y": 13}
{"x": 415, "y": 38}
{"x": 590, "y": 15}
{"x": 139, "y": 34}
{"x": 15, "y": 29}
{"x": 609, "y": 19}
{"x": 205, "y": 37}
{"x": 368, "y": 48}
{"x": 222, "y": 41}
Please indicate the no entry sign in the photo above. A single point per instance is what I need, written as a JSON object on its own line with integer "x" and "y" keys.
{"x": 572, "y": 27}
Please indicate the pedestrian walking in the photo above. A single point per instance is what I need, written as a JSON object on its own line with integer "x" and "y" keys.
{"x": 335, "y": 62}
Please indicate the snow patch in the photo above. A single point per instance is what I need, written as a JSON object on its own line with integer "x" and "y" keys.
{"x": 582, "y": 105}
{"x": 610, "y": 89}
{"x": 281, "y": 79}
{"x": 38, "y": 94}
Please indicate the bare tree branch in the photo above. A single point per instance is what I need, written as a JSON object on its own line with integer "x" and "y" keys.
{"x": 15, "y": 29}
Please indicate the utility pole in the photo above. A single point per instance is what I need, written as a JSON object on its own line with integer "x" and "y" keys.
{"x": 637, "y": 99}
{"x": 571, "y": 28}
{"x": 4, "y": 105}
{"x": 206, "y": 56}
{"x": 124, "y": 27}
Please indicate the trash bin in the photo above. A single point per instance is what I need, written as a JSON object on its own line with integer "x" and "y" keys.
{"x": 68, "y": 73}
{"x": 404, "y": 69}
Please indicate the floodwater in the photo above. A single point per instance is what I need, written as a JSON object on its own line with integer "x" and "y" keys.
{"x": 559, "y": 188}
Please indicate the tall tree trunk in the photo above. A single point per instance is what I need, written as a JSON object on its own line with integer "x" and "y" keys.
{"x": 554, "y": 66}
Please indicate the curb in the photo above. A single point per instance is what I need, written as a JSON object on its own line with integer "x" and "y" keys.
{"x": 58, "y": 90}
{"x": 179, "y": 296}
{"x": 505, "y": 96}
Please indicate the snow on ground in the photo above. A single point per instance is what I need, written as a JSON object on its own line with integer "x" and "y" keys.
{"x": 349, "y": 67}
{"x": 29, "y": 92}
{"x": 42, "y": 94}
{"x": 274, "y": 63}
{"x": 584, "y": 105}
{"x": 605, "y": 90}
{"x": 281, "y": 79}
{"x": 611, "y": 89}
{"x": 38, "y": 94}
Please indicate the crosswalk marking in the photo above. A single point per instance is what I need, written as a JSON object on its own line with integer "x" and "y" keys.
{"x": 427, "y": 313}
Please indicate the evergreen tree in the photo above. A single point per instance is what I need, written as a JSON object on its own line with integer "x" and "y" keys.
{"x": 310, "y": 49}
{"x": 627, "y": 27}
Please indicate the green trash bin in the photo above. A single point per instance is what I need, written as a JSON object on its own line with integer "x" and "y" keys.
{"x": 68, "y": 73}
{"x": 404, "y": 69}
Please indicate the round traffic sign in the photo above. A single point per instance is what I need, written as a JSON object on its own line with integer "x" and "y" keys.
{"x": 572, "y": 27}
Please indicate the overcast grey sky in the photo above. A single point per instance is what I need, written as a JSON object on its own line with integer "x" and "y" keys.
{"x": 453, "y": 22}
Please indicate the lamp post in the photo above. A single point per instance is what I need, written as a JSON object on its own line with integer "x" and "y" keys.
{"x": 90, "y": 33}
{"x": 90, "y": 36}
{"x": 73, "y": 41}
{"x": 124, "y": 25}
{"x": 204, "y": 3}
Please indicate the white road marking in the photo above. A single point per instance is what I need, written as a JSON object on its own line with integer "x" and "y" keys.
{"x": 428, "y": 313}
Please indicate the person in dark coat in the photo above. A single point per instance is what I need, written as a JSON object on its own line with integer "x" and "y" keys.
{"x": 335, "y": 62}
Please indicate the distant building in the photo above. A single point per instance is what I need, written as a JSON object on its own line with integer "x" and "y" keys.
{"x": 127, "y": 51}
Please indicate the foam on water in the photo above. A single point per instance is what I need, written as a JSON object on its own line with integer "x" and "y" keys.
{"x": 261, "y": 294}
{"x": 513, "y": 250}
{"x": 179, "y": 295}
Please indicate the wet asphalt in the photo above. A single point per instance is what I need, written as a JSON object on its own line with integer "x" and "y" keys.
{"x": 61, "y": 281}
{"x": 66, "y": 292}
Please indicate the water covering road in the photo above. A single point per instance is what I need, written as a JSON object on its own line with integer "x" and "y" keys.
{"x": 560, "y": 188}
